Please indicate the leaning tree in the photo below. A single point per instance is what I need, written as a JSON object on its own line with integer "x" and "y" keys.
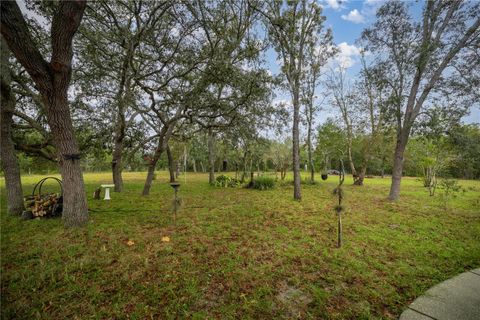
{"x": 427, "y": 60}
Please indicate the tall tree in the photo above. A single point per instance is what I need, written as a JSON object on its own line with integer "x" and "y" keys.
{"x": 426, "y": 60}
{"x": 371, "y": 107}
{"x": 168, "y": 57}
{"x": 316, "y": 57}
{"x": 111, "y": 37}
{"x": 52, "y": 80}
{"x": 292, "y": 27}
{"x": 343, "y": 99}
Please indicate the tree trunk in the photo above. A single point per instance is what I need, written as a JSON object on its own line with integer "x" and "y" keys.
{"x": 250, "y": 184}
{"x": 398, "y": 166}
{"x": 117, "y": 155}
{"x": 309, "y": 149}
{"x": 382, "y": 173}
{"x": 211, "y": 156}
{"x": 75, "y": 211}
{"x": 177, "y": 169}
{"x": 296, "y": 147}
{"x": 10, "y": 167}
{"x": 171, "y": 164}
{"x": 163, "y": 138}
{"x": 358, "y": 181}
{"x": 244, "y": 160}
{"x": 52, "y": 80}
{"x": 162, "y": 144}
{"x": 194, "y": 163}
{"x": 120, "y": 125}
{"x": 202, "y": 166}
{"x": 350, "y": 158}
{"x": 148, "y": 181}
{"x": 117, "y": 172}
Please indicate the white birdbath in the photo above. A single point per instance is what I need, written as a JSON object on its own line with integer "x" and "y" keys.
{"x": 107, "y": 190}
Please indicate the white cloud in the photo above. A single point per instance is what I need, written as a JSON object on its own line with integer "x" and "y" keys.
{"x": 370, "y": 7}
{"x": 349, "y": 49}
{"x": 373, "y": 2}
{"x": 335, "y": 4}
{"x": 354, "y": 16}
{"x": 347, "y": 54}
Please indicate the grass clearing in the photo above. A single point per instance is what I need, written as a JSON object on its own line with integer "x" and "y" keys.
{"x": 237, "y": 253}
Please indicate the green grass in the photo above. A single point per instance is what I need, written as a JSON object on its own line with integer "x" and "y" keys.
{"x": 237, "y": 253}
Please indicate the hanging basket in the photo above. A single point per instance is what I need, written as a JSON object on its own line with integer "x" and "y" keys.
{"x": 43, "y": 205}
{"x": 324, "y": 176}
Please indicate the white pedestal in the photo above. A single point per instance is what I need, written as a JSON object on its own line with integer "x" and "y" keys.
{"x": 107, "y": 194}
{"x": 107, "y": 190}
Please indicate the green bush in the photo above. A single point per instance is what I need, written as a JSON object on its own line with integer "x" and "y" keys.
{"x": 263, "y": 183}
{"x": 307, "y": 181}
{"x": 223, "y": 181}
{"x": 451, "y": 188}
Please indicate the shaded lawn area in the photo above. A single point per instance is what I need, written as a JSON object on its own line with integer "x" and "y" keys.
{"x": 237, "y": 253}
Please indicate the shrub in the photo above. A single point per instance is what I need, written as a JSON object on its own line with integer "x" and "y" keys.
{"x": 450, "y": 190}
{"x": 307, "y": 181}
{"x": 263, "y": 183}
{"x": 304, "y": 181}
{"x": 223, "y": 181}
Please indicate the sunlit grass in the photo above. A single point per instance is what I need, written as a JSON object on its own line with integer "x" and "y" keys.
{"x": 236, "y": 253}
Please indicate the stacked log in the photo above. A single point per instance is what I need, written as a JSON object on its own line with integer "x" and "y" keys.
{"x": 45, "y": 205}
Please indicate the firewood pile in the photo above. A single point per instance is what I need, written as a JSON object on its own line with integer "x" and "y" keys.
{"x": 43, "y": 205}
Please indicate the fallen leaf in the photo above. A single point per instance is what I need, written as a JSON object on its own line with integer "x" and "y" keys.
{"x": 130, "y": 243}
{"x": 165, "y": 239}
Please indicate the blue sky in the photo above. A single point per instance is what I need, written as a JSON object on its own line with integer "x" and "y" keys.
{"x": 347, "y": 19}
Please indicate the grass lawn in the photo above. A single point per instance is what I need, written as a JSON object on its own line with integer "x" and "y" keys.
{"x": 237, "y": 253}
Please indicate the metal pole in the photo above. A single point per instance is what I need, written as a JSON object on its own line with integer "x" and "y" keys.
{"x": 175, "y": 208}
